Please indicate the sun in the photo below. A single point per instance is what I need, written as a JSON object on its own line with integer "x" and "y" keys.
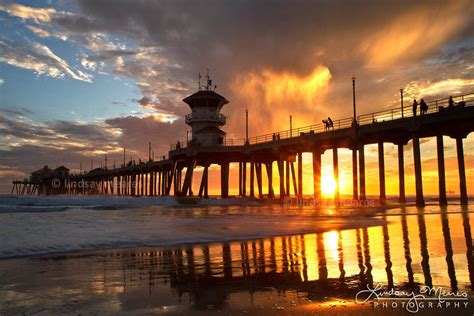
{"x": 328, "y": 185}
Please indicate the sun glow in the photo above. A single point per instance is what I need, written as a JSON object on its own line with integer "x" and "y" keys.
{"x": 328, "y": 185}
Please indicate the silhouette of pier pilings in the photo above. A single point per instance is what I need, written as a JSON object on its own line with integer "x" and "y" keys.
{"x": 279, "y": 151}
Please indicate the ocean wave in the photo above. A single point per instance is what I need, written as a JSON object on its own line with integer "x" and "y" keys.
{"x": 111, "y": 202}
{"x": 84, "y": 230}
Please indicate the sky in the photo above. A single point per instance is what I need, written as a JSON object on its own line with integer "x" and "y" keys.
{"x": 83, "y": 78}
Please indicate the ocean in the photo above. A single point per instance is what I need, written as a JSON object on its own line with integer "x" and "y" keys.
{"x": 113, "y": 255}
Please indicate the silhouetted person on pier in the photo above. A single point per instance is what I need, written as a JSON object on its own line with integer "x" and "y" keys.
{"x": 415, "y": 106}
{"x": 178, "y": 145}
{"x": 273, "y": 136}
{"x": 325, "y": 122}
{"x": 330, "y": 123}
{"x": 423, "y": 107}
{"x": 278, "y": 136}
{"x": 451, "y": 102}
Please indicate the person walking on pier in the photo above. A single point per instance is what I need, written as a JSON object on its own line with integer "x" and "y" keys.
{"x": 451, "y": 102}
{"x": 415, "y": 106}
{"x": 423, "y": 107}
{"x": 330, "y": 123}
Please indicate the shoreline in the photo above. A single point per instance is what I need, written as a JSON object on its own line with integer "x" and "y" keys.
{"x": 336, "y": 226}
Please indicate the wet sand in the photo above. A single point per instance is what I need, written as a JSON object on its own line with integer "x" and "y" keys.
{"x": 287, "y": 275}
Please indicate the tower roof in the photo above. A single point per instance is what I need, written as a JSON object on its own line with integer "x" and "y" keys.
{"x": 205, "y": 98}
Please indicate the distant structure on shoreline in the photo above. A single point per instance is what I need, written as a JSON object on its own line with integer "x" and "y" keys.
{"x": 40, "y": 182}
{"x": 173, "y": 175}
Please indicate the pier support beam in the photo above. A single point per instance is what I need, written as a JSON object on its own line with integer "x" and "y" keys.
{"x": 335, "y": 163}
{"x": 244, "y": 178}
{"x": 355, "y": 181}
{"x": 300, "y": 174}
{"x": 163, "y": 182}
{"x": 204, "y": 184}
{"x": 362, "y": 196}
{"x": 441, "y": 171}
{"x": 150, "y": 183}
{"x": 281, "y": 173}
{"x": 225, "y": 179}
{"x": 418, "y": 174}
{"x": 401, "y": 174}
{"x": 462, "y": 171}
{"x": 269, "y": 167}
{"x": 287, "y": 177}
{"x": 383, "y": 196}
{"x": 125, "y": 184}
{"x": 293, "y": 177}
{"x": 240, "y": 178}
{"x": 258, "y": 169}
{"x": 317, "y": 174}
{"x": 188, "y": 180}
{"x": 252, "y": 179}
{"x": 133, "y": 183}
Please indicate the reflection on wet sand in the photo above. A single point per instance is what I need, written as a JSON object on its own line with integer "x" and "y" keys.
{"x": 406, "y": 253}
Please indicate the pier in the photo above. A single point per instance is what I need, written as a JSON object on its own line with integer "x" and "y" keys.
{"x": 278, "y": 152}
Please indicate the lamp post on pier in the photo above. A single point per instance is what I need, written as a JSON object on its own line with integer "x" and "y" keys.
{"x": 291, "y": 125}
{"x": 354, "y": 97}
{"x": 401, "y": 99}
{"x": 246, "y": 126}
{"x": 355, "y": 181}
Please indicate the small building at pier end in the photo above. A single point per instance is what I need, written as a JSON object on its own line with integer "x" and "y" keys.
{"x": 205, "y": 118}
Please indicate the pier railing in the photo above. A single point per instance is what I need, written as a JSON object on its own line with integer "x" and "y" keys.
{"x": 434, "y": 106}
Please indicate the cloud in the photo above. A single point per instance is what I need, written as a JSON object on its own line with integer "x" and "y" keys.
{"x": 404, "y": 37}
{"x": 28, "y": 13}
{"x": 439, "y": 88}
{"x": 238, "y": 39}
{"x": 40, "y": 32}
{"x": 26, "y": 145}
{"x": 272, "y": 97}
{"x": 40, "y": 59}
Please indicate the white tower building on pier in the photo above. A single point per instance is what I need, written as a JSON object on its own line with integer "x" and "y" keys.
{"x": 205, "y": 118}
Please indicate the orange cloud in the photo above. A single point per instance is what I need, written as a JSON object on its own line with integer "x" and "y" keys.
{"x": 416, "y": 32}
{"x": 272, "y": 96}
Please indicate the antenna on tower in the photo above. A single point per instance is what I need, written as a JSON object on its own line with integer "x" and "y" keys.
{"x": 209, "y": 81}
{"x": 199, "y": 81}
